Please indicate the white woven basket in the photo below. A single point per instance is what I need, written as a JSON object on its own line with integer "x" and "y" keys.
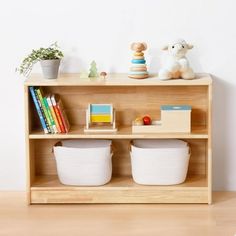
{"x": 84, "y": 162}
{"x": 159, "y": 162}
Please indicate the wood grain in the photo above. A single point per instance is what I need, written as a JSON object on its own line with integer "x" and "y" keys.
{"x": 119, "y": 190}
{"x": 124, "y": 132}
{"x": 131, "y": 98}
{"x": 209, "y": 145}
{"x": 45, "y": 162}
{"x": 114, "y": 79}
{"x": 131, "y": 102}
{"x": 16, "y": 218}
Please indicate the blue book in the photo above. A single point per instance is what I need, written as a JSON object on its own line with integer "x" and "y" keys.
{"x": 42, "y": 111}
{"x": 38, "y": 110}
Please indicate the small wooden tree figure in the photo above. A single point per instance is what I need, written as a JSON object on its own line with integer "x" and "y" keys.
{"x": 93, "y": 72}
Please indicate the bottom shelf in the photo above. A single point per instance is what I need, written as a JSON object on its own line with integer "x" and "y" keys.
{"x": 48, "y": 189}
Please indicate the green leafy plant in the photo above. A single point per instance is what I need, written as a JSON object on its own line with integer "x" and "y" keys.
{"x": 51, "y": 53}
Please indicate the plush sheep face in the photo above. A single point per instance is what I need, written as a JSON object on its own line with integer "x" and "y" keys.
{"x": 178, "y": 48}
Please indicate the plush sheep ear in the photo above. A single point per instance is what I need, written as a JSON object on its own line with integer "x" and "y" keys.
{"x": 165, "y": 47}
{"x": 144, "y": 45}
{"x": 190, "y": 46}
{"x": 132, "y": 46}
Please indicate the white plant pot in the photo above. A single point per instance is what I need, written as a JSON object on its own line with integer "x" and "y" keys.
{"x": 50, "y": 68}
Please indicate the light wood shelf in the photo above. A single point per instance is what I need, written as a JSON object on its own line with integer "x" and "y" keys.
{"x": 131, "y": 98}
{"x": 124, "y": 132}
{"x": 47, "y": 182}
{"x": 125, "y": 186}
{"x": 115, "y": 80}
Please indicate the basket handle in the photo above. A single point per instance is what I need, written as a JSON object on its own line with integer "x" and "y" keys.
{"x": 189, "y": 152}
{"x": 112, "y": 149}
{"x": 130, "y": 144}
{"x": 57, "y": 144}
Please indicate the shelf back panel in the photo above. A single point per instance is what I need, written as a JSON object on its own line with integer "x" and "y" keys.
{"x": 45, "y": 161}
{"x": 131, "y": 102}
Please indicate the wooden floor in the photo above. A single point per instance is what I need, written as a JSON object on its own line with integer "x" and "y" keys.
{"x": 16, "y": 218}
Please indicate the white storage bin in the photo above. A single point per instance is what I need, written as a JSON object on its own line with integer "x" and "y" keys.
{"x": 84, "y": 162}
{"x": 159, "y": 162}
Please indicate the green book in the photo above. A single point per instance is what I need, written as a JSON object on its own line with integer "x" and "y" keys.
{"x": 44, "y": 109}
{"x": 50, "y": 115}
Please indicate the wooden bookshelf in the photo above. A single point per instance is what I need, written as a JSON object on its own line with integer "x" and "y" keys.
{"x": 131, "y": 98}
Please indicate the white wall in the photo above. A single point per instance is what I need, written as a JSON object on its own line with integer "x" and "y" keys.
{"x": 103, "y": 30}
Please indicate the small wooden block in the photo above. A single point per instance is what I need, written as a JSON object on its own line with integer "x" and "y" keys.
{"x": 161, "y": 128}
{"x": 139, "y": 65}
{"x": 138, "y": 72}
{"x": 138, "y": 54}
{"x": 138, "y": 57}
{"x": 134, "y": 61}
{"x": 101, "y": 118}
{"x": 138, "y": 69}
{"x": 138, "y": 76}
{"x": 100, "y": 108}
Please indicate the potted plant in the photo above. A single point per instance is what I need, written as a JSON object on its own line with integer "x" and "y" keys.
{"x": 49, "y": 59}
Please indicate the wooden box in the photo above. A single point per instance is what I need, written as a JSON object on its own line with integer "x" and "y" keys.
{"x": 174, "y": 119}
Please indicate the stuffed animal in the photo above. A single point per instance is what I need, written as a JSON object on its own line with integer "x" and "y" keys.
{"x": 176, "y": 65}
{"x": 138, "y": 69}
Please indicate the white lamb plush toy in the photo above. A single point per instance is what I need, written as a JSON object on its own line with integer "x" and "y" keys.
{"x": 176, "y": 65}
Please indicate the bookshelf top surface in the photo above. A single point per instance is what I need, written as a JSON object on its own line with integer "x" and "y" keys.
{"x": 71, "y": 79}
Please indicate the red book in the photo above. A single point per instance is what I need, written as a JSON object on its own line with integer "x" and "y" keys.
{"x": 62, "y": 113}
{"x": 57, "y": 112}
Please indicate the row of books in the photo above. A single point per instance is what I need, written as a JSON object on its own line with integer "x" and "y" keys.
{"x": 51, "y": 112}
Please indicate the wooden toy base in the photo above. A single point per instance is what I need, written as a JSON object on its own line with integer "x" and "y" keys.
{"x": 158, "y": 128}
{"x": 100, "y": 130}
{"x": 138, "y": 76}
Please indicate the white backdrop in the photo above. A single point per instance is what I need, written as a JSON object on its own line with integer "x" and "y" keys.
{"x": 102, "y": 31}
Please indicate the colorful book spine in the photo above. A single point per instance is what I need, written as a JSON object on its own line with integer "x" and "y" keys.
{"x": 44, "y": 109}
{"x": 53, "y": 114}
{"x": 38, "y": 110}
{"x": 63, "y": 115}
{"x": 57, "y": 112}
{"x": 50, "y": 116}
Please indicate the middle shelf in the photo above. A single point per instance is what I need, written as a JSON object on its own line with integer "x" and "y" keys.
{"x": 124, "y": 132}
